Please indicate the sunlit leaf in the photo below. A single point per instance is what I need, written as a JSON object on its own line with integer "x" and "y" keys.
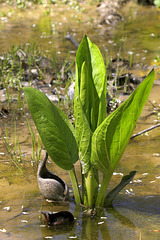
{"x": 91, "y": 80}
{"x": 83, "y": 133}
{"x": 56, "y": 131}
{"x": 112, "y": 136}
{"x": 90, "y": 97}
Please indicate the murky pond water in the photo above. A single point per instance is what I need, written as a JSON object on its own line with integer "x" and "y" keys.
{"x": 136, "y": 210}
{"x": 47, "y": 26}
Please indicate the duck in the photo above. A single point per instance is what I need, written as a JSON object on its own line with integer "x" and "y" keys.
{"x": 50, "y": 185}
{"x": 58, "y": 218}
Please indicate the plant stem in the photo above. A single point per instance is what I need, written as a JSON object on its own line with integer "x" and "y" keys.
{"x": 91, "y": 185}
{"x": 74, "y": 181}
{"x": 103, "y": 190}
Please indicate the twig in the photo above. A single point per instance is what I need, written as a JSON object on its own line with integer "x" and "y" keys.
{"x": 144, "y": 131}
{"x": 72, "y": 40}
{"x": 152, "y": 104}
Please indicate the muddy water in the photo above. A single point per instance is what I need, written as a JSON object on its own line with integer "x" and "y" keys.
{"x": 136, "y": 210}
{"x": 138, "y": 36}
{"x": 47, "y": 26}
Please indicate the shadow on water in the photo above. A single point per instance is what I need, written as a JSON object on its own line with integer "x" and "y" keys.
{"x": 86, "y": 227}
{"x": 142, "y": 204}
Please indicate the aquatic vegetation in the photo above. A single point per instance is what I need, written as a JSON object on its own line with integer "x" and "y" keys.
{"x": 13, "y": 146}
{"x": 36, "y": 143}
{"x": 98, "y": 141}
{"x": 23, "y": 4}
{"x": 14, "y": 64}
{"x": 27, "y": 64}
{"x": 157, "y": 3}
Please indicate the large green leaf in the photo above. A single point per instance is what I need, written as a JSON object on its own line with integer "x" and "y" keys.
{"x": 55, "y": 129}
{"x": 91, "y": 81}
{"x": 83, "y": 132}
{"x": 90, "y": 97}
{"x": 112, "y": 136}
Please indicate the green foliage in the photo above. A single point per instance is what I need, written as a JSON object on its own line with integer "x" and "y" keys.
{"x": 13, "y": 147}
{"x": 100, "y": 141}
{"x": 55, "y": 129}
{"x": 157, "y": 3}
{"x": 24, "y": 3}
{"x": 112, "y": 136}
{"x": 14, "y": 63}
{"x": 90, "y": 97}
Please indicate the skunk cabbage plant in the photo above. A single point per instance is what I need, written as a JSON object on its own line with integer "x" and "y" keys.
{"x": 96, "y": 140}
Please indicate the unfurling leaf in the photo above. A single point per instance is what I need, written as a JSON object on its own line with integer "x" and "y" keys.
{"x": 90, "y": 97}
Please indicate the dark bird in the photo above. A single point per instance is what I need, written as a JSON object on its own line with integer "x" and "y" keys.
{"x": 59, "y": 218}
{"x": 51, "y": 186}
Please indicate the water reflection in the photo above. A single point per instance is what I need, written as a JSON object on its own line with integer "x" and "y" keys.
{"x": 130, "y": 217}
{"x": 108, "y": 224}
{"x": 145, "y": 204}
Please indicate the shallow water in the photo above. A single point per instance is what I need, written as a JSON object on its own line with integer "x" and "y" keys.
{"x": 46, "y": 26}
{"x": 137, "y": 208}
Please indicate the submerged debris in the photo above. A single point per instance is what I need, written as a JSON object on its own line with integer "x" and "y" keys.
{"x": 108, "y": 11}
{"x": 58, "y": 218}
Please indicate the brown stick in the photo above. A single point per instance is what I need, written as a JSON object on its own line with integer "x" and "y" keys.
{"x": 144, "y": 131}
{"x": 72, "y": 40}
